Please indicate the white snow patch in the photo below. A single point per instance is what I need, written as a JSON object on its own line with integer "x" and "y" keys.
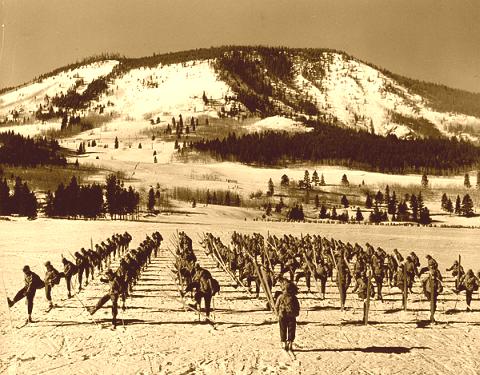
{"x": 277, "y": 123}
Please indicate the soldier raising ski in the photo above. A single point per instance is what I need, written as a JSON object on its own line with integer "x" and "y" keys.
{"x": 69, "y": 269}
{"x": 32, "y": 283}
{"x": 52, "y": 278}
{"x": 115, "y": 290}
{"x": 469, "y": 283}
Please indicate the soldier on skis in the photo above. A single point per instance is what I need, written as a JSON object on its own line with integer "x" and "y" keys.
{"x": 32, "y": 283}
{"x": 288, "y": 308}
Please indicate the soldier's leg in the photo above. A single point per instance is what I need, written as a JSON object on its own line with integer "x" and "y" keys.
{"x": 30, "y": 298}
{"x": 323, "y": 284}
{"x": 282, "y": 323}
{"x": 469, "y": 295}
{"x": 307, "y": 280}
{"x": 198, "y": 300}
{"x": 291, "y": 329}
{"x": 208, "y": 299}
{"x": 68, "y": 280}
{"x": 80, "y": 276}
{"x": 102, "y": 301}
{"x": 30, "y": 304}
{"x": 379, "y": 282}
{"x": 114, "y": 298}
{"x": 20, "y": 294}
{"x": 87, "y": 274}
{"x": 48, "y": 293}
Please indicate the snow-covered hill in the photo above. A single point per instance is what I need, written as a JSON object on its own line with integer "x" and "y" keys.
{"x": 328, "y": 85}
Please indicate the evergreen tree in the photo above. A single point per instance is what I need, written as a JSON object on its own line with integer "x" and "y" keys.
{"x": 392, "y": 204}
{"x": 424, "y": 216}
{"x": 139, "y": 145}
{"x": 424, "y": 181}
{"x": 458, "y": 206}
{"x": 344, "y": 181}
{"x": 64, "y": 122}
{"x": 344, "y": 201}
{"x": 322, "y": 180}
{"x": 4, "y": 198}
{"x": 467, "y": 206}
{"x": 315, "y": 178}
{"x": 116, "y": 142}
{"x": 204, "y": 98}
{"x": 368, "y": 201}
{"x": 285, "y": 181}
{"x": 466, "y": 181}
{"x": 420, "y": 201}
{"x": 402, "y": 212}
{"x": 323, "y": 212}
{"x": 449, "y": 206}
{"x": 334, "y": 215}
{"x": 151, "y": 200}
{"x": 268, "y": 209}
{"x": 176, "y": 146}
{"x": 386, "y": 198}
{"x": 359, "y": 215}
{"x": 444, "y": 202}
{"x": 194, "y": 203}
{"x": 306, "y": 180}
{"x": 379, "y": 198}
{"x": 270, "y": 188}
{"x": 49, "y": 208}
{"x": 414, "y": 207}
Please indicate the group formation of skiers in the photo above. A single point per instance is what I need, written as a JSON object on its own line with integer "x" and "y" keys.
{"x": 85, "y": 262}
{"x": 267, "y": 261}
{"x": 252, "y": 258}
{"x": 122, "y": 281}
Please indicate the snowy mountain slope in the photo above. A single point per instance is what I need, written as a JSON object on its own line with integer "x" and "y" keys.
{"x": 145, "y": 93}
{"x": 239, "y": 81}
{"x": 27, "y": 99}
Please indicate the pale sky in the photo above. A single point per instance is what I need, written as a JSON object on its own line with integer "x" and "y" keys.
{"x": 432, "y": 40}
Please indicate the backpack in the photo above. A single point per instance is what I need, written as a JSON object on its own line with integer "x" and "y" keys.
{"x": 288, "y": 305}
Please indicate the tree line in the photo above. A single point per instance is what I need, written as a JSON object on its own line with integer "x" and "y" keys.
{"x": 332, "y": 145}
{"x": 21, "y": 201}
{"x": 92, "y": 201}
{"x": 17, "y": 150}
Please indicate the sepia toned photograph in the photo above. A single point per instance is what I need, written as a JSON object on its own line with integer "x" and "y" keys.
{"x": 239, "y": 187}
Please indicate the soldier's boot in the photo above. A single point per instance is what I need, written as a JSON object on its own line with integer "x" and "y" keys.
{"x": 10, "y": 302}
{"x": 91, "y": 310}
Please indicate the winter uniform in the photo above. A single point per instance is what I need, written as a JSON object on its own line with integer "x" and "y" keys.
{"x": 32, "y": 283}
{"x": 288, "y": 309}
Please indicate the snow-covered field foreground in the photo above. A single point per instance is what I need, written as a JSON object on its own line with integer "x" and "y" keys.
{"x": 157, "y": 336}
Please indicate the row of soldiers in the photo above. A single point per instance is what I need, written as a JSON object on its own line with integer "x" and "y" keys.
{"x": 124, "y": 278}
{"x": 192, "y": 277}
{"x": 85, "y": 261}
{"x": 250, "y": 256}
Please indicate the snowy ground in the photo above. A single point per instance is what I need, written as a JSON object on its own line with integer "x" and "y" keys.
{"x": 159, "y": 337}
